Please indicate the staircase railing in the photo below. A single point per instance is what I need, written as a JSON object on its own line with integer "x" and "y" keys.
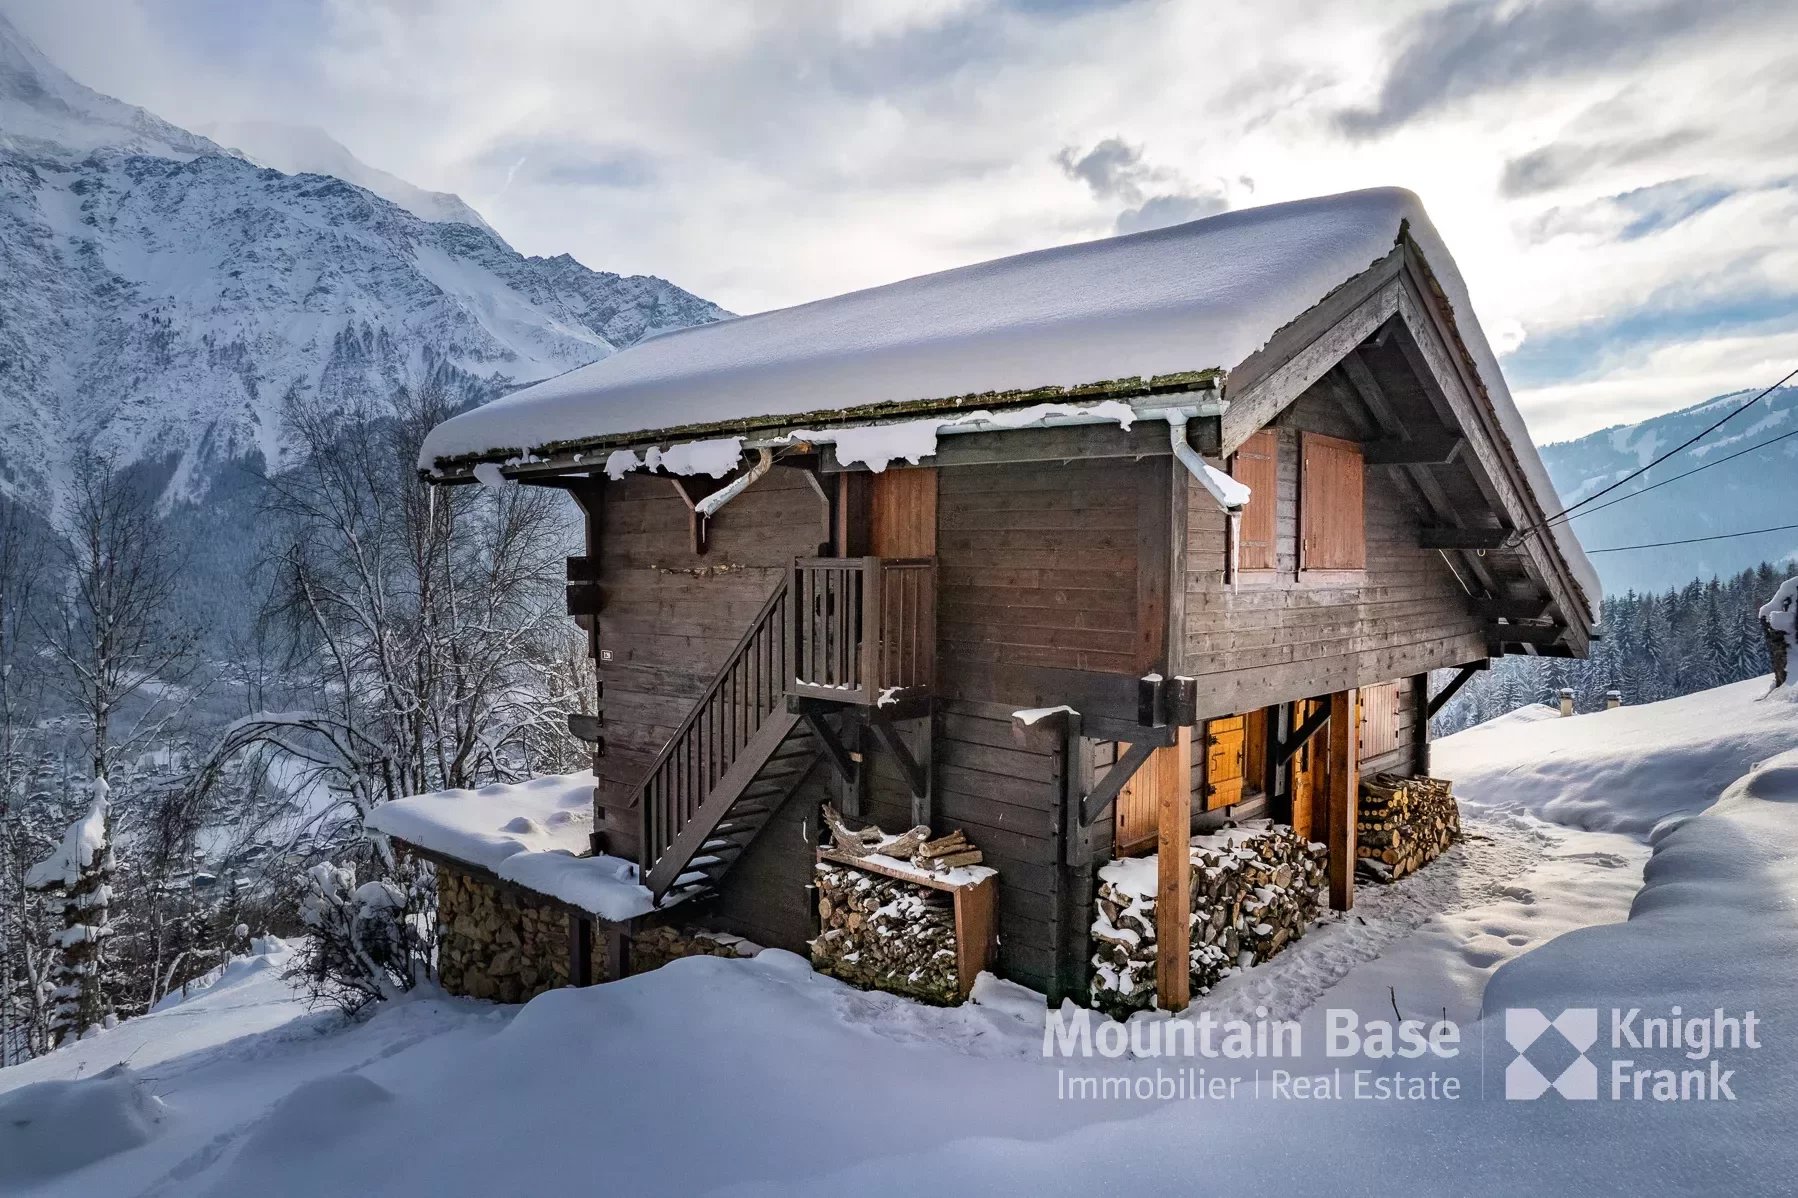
{"x": 865, "y": 628}
{"x": 735, "y": 706}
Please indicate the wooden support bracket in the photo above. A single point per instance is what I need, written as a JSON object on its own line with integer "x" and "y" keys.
{"x": 834, "y": 752}
{"x": 1454, "y": 685}
{"x": 1102, "y": 796}
{"x": 917, "y": 778}
{"x": 1463, "y": 538}
{"x": 1314, "y": 723}
{"x": 1437, "y": 448}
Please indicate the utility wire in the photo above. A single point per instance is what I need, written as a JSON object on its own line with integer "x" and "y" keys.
{"x": 1566, "y": 512}
{"x": 1722, "y": 536}
{"x": 1687, "y": 474}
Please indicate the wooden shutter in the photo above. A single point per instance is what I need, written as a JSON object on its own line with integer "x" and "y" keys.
{"x": 1224, "y": 762}
{"x": 1256, "y": 465}
{"x": 1332, "y": 514}
{"x": 1379, "y": 719}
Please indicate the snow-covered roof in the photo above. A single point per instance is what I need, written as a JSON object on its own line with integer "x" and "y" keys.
{"x": 533, "y": 834}
{"x": 1118, "y": 317}
{"x": 1183, "y": 300}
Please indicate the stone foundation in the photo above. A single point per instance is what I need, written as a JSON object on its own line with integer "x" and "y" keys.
{"x": 658, "y": 946}
{"x": 880, "y": 933}
{"x": 496, "y": 943}
{"x": 1255, "y": 889}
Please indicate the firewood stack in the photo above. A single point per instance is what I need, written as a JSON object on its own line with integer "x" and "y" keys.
{"x": 881, "y": 933}
{"x": 1255, "y": 889}
{"x": 1404, "y": 824}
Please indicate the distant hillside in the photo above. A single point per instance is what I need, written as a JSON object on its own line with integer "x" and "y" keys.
{"x": 1755, "y": 491}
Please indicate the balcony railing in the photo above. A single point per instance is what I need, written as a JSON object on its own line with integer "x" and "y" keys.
{"x": 864, "y": 628}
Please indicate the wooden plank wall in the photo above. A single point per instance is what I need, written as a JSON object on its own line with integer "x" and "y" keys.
{"x": 1289, "y": 634}
{"x": 1401, "y": 758}
{"x": 672, "y": 616}
{"x": 1040, "y": 564}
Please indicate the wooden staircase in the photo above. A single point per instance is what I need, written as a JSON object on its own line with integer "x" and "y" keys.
{"x": 728, "y": 767}
{"x": 836, "y": 633}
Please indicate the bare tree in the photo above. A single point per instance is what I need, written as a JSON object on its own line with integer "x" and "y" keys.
{"x": 24, "y": 828}
{"x": 115, "y": 640}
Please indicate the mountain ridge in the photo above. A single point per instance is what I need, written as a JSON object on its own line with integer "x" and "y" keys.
{"x": 160, "y": 296}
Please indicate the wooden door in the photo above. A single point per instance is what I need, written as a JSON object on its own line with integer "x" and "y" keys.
{"x": 1134, "y": 825}
{"x": 902, "y": 513}
{"x": 1225, "y": 761}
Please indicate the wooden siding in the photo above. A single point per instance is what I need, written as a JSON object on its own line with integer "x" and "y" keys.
{"x": 672, "y": 616}
{"x": 1408, "y": 734}
{"x": 1041, "y": 565}
{"x": 1289, "y": 634}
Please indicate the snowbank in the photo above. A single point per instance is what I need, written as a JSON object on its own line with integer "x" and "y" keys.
{"x": 1619, "y": 771}
{"x": 533, "y": 833}
{"x": 53, "y": 1127}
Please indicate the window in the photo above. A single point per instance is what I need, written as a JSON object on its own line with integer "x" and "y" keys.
{"x": 1379, "y": 719}
{"x": 1256, "y": 465}
{"x": 1332, "y": 522}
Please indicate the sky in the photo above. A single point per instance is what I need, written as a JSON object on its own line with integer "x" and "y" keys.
{"x": 1617, "y": 180}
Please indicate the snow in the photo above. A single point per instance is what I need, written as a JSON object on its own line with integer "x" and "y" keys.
{"x": 84, "y": 840}
{"x": 1032, "y": 715}
{"x": 1781, "y": 611}
{"x": 534, "y": 833}
{"x": 1192, "y": 297}
{"x": 52, "y": 1127}
{"x": 862, "y": 1093}
{"x": 1624, "y": 770}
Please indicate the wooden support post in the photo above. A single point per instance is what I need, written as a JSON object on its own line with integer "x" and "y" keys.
{"x": 580, "y": 951}
{"x": 618, "y": 954}
{"x": 1172, "y": 778}
{"x": 1342, "y": 801}
{"x": 1420, "y": 743}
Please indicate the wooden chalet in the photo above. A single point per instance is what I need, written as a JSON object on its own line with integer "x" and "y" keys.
{"x": 974, "y": 551}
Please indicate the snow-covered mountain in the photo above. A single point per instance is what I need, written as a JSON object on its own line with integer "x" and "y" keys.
{"x": 1753, "y": 491}
{"x": 160, "y": 295}
{"x": 309, "y": 150}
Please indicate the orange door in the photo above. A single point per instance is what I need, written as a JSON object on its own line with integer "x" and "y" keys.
{"x": 1225, "y": 763}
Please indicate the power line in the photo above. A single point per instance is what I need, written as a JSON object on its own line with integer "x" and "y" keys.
{"x": 1722, "y": 536}
{"x": 1686, "y": 474}
{"x": 1680, "y": 448}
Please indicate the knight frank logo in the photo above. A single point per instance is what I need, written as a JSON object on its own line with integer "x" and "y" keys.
{"x": 1671, "y": 1057}
{"x": 1530, "y": 1032}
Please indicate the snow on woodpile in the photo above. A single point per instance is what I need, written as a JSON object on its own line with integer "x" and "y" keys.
{"x": 532, "y": 833}
{"x": 1255, "y": 888}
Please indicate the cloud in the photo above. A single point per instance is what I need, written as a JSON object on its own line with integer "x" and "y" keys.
{"x": 1115, "y": 170}
{"x": 1474, "y": 46}
{"x": 1560, "y": 163}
